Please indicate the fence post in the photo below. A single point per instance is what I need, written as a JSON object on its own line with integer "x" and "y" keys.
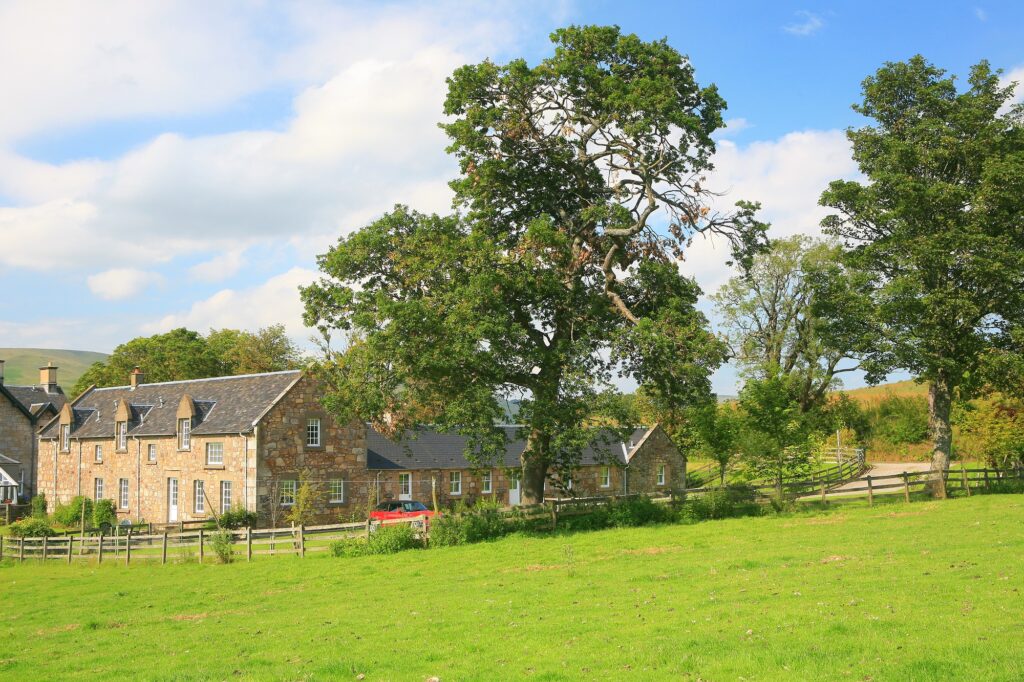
{"x": 128, "y": 547}
{"x": 248, "y": 543}
{"x": 906, "y": 487}
{"x": 987, "y": 484}
{"x": 554, "y": 515}
{"x": 963, "y": 477}
{"x": 871, "y": 492}
{"x": 302, "y": 540}
{"x": 823, "y": 492}
{"x": 200, "y": 545}
{"x": 163, "y": 549}
{"x": 71, "y": 543}
{"x": 21, "y": 549}
{"x": 99, "y": 552}
{"x": 1, "y": 547}
{"x": 44, "y": 548}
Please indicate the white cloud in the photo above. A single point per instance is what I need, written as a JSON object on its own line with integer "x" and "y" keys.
{"x": 122, "y": 283}
{"x": 980, "y": 14}
{"x": 808, "y": 24}
{"x": 733, "y": 126}
{"x": 786, "y": 175}
{"x": 276, "y": 301}
{"x": 1015, "y": 75}
{"x": 218, "y": 268}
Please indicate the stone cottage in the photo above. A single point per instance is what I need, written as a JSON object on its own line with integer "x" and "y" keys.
{"x": 22, "y": 410}
{"x": 184, "y": 451}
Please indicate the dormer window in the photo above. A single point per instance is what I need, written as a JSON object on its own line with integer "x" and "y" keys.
{"x": 65, "y": 437}
{"x": 184, "y": 434}
{"x": 122, "y": 436}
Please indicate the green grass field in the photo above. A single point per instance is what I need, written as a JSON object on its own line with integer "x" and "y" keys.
{"x": 22, "y": 364}
{"x": 926, "y": 591}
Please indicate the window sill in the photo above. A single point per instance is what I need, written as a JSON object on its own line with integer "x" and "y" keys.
{"x": 214, "y": 467}
{"x": 337, "y": 504}
{"x": 314, "y": 447}
{"x": 150, "y": 463}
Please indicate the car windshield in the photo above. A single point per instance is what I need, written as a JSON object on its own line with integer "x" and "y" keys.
{"x": 389, "y": 506}
{"x": 414, "y": 507}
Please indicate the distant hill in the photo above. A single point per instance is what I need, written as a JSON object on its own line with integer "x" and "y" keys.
{"x": 22, "y": 364}
{"x": 870, "y": 395}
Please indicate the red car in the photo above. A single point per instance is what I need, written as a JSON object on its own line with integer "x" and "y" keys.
{"x": 403, "y": 509}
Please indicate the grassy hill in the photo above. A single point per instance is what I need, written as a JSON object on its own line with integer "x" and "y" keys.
{"x": 855, "y": 593}
{"x": 22, "y": 364}
{"x": 872, "y": 395}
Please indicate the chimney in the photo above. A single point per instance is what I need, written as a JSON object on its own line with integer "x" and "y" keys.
{"x": 1, "y": 372}
{"x": 48, "y": 377}
{"x": 137, "y": 377}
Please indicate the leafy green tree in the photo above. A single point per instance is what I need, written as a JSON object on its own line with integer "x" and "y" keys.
{"x": 185, "y": 354}
{"x": 717, "y": 431}
{"x": 776, "y": 438}
{"x": 582, "y": 180}
{"x": 992, "y": 428}
{"x": 309, "y": 498}
{"x": 937, "y": 226}
{"x": 901, "y": 419}
{"x": 797, "y": 311}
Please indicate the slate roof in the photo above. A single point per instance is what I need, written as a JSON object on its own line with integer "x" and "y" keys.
{"x": 35, "y": 399}
{"x": 223, "y": 405}
{"x": 429, "y": 449}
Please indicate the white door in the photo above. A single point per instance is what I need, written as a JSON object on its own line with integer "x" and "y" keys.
{"x": 172, "y": 500}
{"x": 405, "y": 486}
{"x": 513, "y": 490}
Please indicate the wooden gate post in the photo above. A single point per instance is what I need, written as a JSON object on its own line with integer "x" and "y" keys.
{"x": 200, "y": 545}
{"x": 44, "y": 548}
{"x": 71, "y": 543}
{"x": 99, "y": 552}
{"x": 963, "y": 477}
{"x": 21, "y": 549}
{"x": 128, "y": 547}
{"x": 987, "y": 484}
{"x": 906, "y": 487}
{"x": 823, "y": 500}
{"x": 1, "y": 547}
{"x": 871, "y": 492}
{"x": 163, "y": 553}
{"x": 302, "y": 540}
{"x": 248, "y": 543}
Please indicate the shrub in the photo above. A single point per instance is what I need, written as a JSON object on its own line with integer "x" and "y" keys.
{"x": 104, "y": 512}
{"x": 384, "y": 540}
{"x": 901, "y": 420}
{"x": 221, "y": 542}
{"x": 484, "y": 521}
{"x": 720, "y": 504}
{"x": 237, "y": 517}
{"x": 71, "y": 514}
{"x": 638, "y": 511}
{"x": 39, "y": 506}
{"x": 30, "y": 528}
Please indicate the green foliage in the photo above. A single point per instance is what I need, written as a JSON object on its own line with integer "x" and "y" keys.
{"x": 776, "y": 439}
{"x": 797, "y": 310}
{"x": 186, "y": 354}
{"x": 104, "y": 512}
{"x": 722, "y": 503}
{"x": 71, "y": 514}
{"x": 238, "y": 517}
{"x": 521, "y": 289}
{"x": 717, "y": 429}
{"x": 638, "y": 511}
{"x": 384, "y": 540}
{"x": 936, "y": 225}
{"x": 222, "y": 541}
{"x": 901, "y": 420}
{"x": 309, "y": 498}
{"x": 30, "y": 527}
{"x": 993, "y": 430}
{"x": 482, "y": 521}
{"x": 39, "y": 506}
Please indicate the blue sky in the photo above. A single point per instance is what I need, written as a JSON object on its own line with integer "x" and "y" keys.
{"x": 166, "y": 164}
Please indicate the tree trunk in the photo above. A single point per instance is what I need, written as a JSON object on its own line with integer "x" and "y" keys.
{"x": 535, "y": 461}
{"x": 941, "y": 432}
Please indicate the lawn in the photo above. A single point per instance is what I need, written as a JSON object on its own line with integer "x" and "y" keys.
{"x": 926, "y": 591}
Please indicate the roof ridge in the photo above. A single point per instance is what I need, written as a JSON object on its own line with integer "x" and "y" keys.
{"x": 190, "y": 381}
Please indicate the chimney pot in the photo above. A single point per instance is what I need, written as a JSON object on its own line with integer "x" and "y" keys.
{"x": 137, "y": 377}
{"x": 48, "y": 377}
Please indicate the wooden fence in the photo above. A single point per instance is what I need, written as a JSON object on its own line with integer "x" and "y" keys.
{"x": 955, "y": 480}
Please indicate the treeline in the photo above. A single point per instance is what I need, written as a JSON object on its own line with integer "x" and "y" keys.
{"x": 185, "y": 354}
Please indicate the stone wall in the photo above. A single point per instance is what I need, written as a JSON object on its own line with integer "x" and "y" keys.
{"x": 17, "y": 441}
{"x": 658, "y": 449}
{"x": 148, "y": 481}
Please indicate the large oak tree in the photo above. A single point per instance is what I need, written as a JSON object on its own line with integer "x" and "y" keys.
{"x": 582, "y": 181}
{"x": 939, "y": 226}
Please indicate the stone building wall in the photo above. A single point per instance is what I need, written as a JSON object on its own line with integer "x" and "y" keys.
{"x": 284, "y": 456}
{"x": 17, "y": 441}
{"x": 658, "y": 449}
{"x": 148, "y": 481}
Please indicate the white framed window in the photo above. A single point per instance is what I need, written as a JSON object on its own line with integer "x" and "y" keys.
{"x": 65, "y": 437}
{"x": 98, "y": 454}
{"x": 336, "y": 491}
{"x": 97, "y": 489}
{"x": 199, "y": 497}
{"x": 661, "y": 474}
{"x": 151, "y": 452}
{"x": 215, "y": 454}
{"x": 405, "y": 484}
{"x": 122, "y": 493}
{"x": 184, "y": 434}
{"x": 225, "y": 496}
{"x": 122, "y": 435}
{"x": 454, "y": 482}
{"x": 288, "y": 490}
{"x": 313, "y": 432}
{"x": 606, "y": 477}
{"x": 486, "y": 482}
